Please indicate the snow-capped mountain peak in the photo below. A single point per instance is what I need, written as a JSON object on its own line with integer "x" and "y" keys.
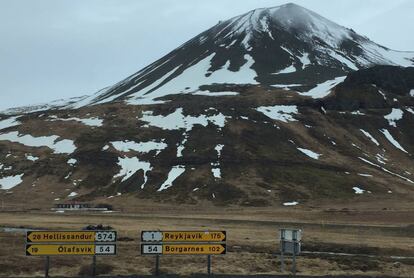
{"x": 293, "y": 18}
{"x": 310, "y": 24}
{"x": 286, "y": 46}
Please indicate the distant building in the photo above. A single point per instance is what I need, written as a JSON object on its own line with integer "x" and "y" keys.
{"x": 77, "y": 207}
{"x": 72, "y": 206}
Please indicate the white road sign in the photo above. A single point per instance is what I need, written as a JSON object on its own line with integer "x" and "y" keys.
{"x": 290, "y": 235}
{"x": 149, "y": 249}
{"x": 152, "y": 236}
{"x": 105, "y": 249}
{"x": 105, "y": 236}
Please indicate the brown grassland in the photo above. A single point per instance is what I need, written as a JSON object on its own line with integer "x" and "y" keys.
{"x": 382, "y": 240}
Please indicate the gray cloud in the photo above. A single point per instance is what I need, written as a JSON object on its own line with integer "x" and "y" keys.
{"x": 58, "y": 49}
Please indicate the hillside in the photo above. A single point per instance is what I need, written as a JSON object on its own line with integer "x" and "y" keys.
{"x": 276, "y": 107}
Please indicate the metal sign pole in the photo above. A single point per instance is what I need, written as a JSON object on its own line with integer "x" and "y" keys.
{"x": 157, "y": 265}
{"x": 294, "y": 263}
{"x": 47, "y": 267}
{"x": 94, "y": 266}
{"x": 209, "y": 264}
{"x": 282, "y": 261}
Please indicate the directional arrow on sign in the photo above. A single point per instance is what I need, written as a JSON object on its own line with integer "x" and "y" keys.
{"x": 70, "y": 236}
{"x": 193, "y": 249}
{"x": 59, "y": 249}
{"x": 183, "y": 249}
{"x": 70, "y": 249}
{"x": 60, "y": 236}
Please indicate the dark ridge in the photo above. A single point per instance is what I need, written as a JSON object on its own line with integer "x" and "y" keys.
{"x": 394, "y": 79}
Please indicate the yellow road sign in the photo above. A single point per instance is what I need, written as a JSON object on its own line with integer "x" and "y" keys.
{"x": 70, "y": 236}
{"x": 183, "y": 249}
{"x": 70, "y": 249}
{"x": 183, "y": 236}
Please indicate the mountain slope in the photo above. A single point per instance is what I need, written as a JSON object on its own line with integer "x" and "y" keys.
{"x": 256, "y": 111}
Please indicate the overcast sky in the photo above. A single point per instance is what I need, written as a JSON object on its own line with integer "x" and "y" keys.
{"x": 52, "y": 49}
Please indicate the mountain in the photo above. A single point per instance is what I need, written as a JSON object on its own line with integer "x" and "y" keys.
{"x": 276, "y": 107}
{"x": 285, "y": 46}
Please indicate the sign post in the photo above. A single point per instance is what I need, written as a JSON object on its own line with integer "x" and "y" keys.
{"x": 209, "y": 264}
{"x": 63, "y": 243}
{"x": 294, "y": 264}
{"x": 290, "y": 243}
{"x": 157, "y": 265}
{"x": 47, "y": 267}
{"x": 282, "y": 262}
{"x": 94, "y": 266}
{"x": 183, "y": 243}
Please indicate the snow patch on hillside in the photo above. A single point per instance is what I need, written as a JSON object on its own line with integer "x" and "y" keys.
{"x": 9, "y": 122}
{"x": 9, "y": 182}
{"x": 304, "y": 59}
{"x": 342, "y": 59}
{"x": 289, "y": 204}
{"x": 31, "y": 157}
{"x": 323, "y": 89}
{"x": 289, "y": 69}
{"x": 73, "y": 194}
{"x": 177, "y": 120}
{"x": 142, "y": 147}
{"x": 130, "y": 165}
{"x": 391, "y": 139}
{"x": 381, "y": 158}
{"x": 95, "y": 122}
{"x": 395, "y": 115}
{"x": 180, "y": 147}
{"x": 216, "y": 172}
{"x": 365, "y": 175}
{"x": 180, "y": 150}
{"x": 192, "y": 78}
{"x": 53, "y": 142}
{"x": 218, "y": 149}
{"x": 358, "y": 190}
{"x": 215, "y": 94}
{"x": 216, "y": 165}
{"x": 385, "y": 170}
{"x": 310, "y": 153}
{"x": 285, "y": 86}
{"x": 174, "y": 173}
{"x": 279, "y": 112}
{"x": 367, "y": 134}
